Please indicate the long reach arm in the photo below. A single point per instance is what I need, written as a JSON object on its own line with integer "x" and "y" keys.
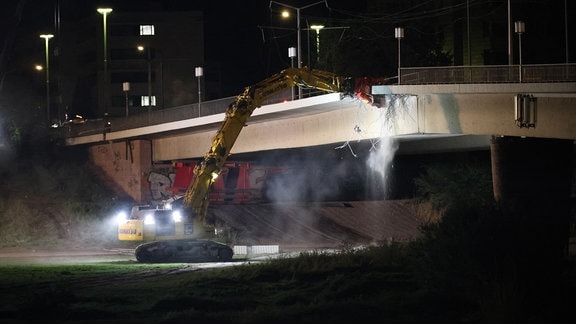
{"x": 236, "y": 116}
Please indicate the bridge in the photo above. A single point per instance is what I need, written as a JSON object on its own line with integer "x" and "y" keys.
{"x": 431, "y": 110}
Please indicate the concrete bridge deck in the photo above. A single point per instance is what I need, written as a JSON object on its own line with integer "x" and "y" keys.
{"x": 407, "y": 112}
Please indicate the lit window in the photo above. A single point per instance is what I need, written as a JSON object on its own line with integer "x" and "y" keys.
{"x": 146, "y": 29}
{"x": 145, "y": 102}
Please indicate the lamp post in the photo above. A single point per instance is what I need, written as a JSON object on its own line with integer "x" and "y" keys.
{"x": 104, "y": 12}
{"x": 566, "y": 30}
{"x": 199, "y": 72}
{"x": 317, "y": 28}
{"x": 149, "y": 63}
{"x": 286, "y": 14}
{"x": 399, "y": 34}
{"x": 46, "y": 40}
{"x": 126, "y": 89}
{"x": 292, "y": 55}
{"x": 509, "y": 31}
{"x": 519, "y": 28}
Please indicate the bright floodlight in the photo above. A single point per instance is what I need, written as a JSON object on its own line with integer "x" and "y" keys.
{"x": 46, "y": 36}
{"x": 317, "y": 27}
{"x": 149, "y": 219}
{"x": 121, "y": 217}
{"x": 177, "y": 216}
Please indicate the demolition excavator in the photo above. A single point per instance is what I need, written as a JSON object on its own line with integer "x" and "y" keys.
{"x": 191, "y": 242}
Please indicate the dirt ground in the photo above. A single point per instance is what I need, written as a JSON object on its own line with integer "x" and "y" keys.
{"x": 330, "y": 224}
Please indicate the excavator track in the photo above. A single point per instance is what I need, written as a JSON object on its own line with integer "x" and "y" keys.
{"x": 185, "y": 250}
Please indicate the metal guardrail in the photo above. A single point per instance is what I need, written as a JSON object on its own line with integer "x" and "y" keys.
{"x": 409, "y": 76}
{"x": 488, "y": 74}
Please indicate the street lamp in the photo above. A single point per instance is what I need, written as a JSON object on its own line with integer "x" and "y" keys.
{"x": 519, "y": 28}
{"x": 126, "y": 89}
{"x": 148, "y": 61}
{"x": 286, "y": 14}
{"x": 104, "y": 12}
{"x": 46, "y": 39}
{"x": 317, "y": 29}
{"x": 292, "y": 55}
{"x": 399, "y": 34}
{"x": 199, "y": 72}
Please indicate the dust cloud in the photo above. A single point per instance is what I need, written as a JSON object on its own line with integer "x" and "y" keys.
{"x": 379, "y": 163}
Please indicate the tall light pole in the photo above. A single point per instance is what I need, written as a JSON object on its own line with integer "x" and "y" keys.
{"x": 566, "y": 30}
{"x": 286, "y": 14}
{"x": 104, "y": 12}
{"x": 519, "y": 28}
{"x": 509, "y": 31}
{"x": 317, "y": 28}
{"x": 46, "y": 40}
{"x": 399, "y": 34}
{"x": 468, "y": 32}
{"x": 149, "y": 63}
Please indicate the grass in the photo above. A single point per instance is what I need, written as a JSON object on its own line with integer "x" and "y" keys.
{"x": 377, "y": 284}
{"x": 315, "y": 287}
{"x": 473, "y": 266}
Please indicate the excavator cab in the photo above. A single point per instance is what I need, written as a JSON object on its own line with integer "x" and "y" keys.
{"x": 148, "y": 223}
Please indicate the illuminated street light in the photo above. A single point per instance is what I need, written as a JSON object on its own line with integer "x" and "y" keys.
{"x": 519, "y": 28}
{"x": 104, "y": 12}
{"x": 286, "y": 14}
{"x": 46, "y": 40}
{"x": 141, "y": 48}
{"x": 399, "y": 34}
{"x": 317, "y": 28}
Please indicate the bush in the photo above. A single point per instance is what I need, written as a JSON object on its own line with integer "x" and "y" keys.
{"x": 52, "y": 200}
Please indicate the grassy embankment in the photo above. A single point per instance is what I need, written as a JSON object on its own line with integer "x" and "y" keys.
{"x": 468, "y": 267}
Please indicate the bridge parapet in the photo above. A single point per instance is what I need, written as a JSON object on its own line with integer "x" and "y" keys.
{"x": 489, "y": 74}
{"x": 144, "y": 119}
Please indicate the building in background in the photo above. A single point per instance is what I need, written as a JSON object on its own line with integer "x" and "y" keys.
{"x": 155, "y": 52}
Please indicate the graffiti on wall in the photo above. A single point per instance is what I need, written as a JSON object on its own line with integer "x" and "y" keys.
{"x": 160, "y": 184}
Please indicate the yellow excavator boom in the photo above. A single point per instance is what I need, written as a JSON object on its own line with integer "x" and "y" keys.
{"x": 238, "y": 113}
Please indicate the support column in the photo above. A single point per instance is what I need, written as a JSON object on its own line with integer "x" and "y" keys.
{"x": 124, "y": 166}
{"x": 532, "y": 179}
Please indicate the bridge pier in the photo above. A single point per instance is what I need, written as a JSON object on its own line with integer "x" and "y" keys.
{"x": 124, "y": 166}
{"x": 532, "y": 180}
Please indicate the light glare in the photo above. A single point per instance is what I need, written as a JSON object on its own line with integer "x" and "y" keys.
{"x": 177, "y": 216}
{"x": 149, "y": 219}
{"x": 121, "y": 217}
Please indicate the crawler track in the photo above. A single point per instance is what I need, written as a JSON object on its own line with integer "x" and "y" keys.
{"x": 189, "y": 250}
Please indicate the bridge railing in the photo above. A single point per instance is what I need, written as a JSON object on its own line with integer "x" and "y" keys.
{"x": 488, "y": 74}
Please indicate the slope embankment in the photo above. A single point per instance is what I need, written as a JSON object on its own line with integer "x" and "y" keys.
{"x": 328, "y": 224}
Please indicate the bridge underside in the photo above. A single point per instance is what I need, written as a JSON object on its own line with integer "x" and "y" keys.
{"x": 451, "y": 121}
